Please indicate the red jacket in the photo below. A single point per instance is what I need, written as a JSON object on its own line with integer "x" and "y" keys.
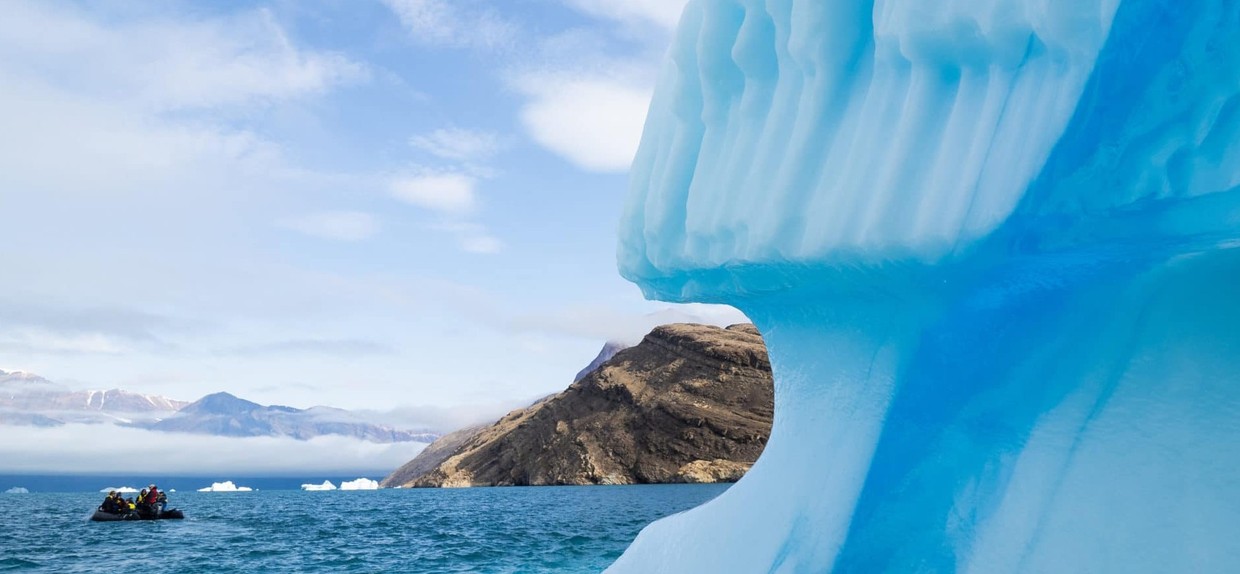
{"x": 152, "y": 496}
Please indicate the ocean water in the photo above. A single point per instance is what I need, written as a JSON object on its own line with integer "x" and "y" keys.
{"x": 532, "y": 529}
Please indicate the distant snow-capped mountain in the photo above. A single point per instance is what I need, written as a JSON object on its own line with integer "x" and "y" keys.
{"x": 30, "y": 400}
{"x": 36, "y": 400}
{"x": 223, "y": 414}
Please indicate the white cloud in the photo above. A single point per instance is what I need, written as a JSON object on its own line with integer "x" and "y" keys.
{"x": 458, "y": 144}
{"x": 471, "y": 237}
{"x": 314, "y": 347}
{"x": 664, "y": 13}
{"x": 451, "y": 193}
{"x": 461, "y": 24}
{"x": 38, "y": 341}
{"x": 581, "y": 102}
{"x": 445, "y": 418}
{"x": 96, "y": 95}
{"x": 78, "y": 448}
{"x": 162, "y": 64}
{"x": 338, "y": 225}
{"x": 481, "y": 244}
{"x": 113, "y": 149}
{"x": 596, "y": 123}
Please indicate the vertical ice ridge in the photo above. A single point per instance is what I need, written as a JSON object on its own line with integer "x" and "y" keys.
{"x": 993, "y": 249}
{"x": 821, "y": 89}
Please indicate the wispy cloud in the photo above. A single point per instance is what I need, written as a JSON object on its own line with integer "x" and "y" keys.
{"x": 482, "y": 244}
{"x": 445, "y": 419}
{"x": 38, "y": 341}
{"x": 458, "y": 144}
{"x": 459, "y": 24}
{"x": 151, "y": 103}
{"x": 327, "y": 347}
{"x": 471, "y": 237}
{"x": 663, "y": 13}
{"x": 580, "y": 102}
{"x": 165, "y": 64}
{"x": 63, "y": 329}
{"x": 338, "y": 225}
{"x": 451, "y": 193}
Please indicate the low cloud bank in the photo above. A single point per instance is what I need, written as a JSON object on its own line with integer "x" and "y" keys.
{"x": 444, "y": 419}
{"x": 104, "y": 449}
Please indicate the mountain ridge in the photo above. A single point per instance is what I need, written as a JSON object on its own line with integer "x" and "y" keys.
{"x": 27, "y": 399}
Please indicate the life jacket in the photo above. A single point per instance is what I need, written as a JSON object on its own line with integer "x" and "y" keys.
{"x": 152, "y": 496}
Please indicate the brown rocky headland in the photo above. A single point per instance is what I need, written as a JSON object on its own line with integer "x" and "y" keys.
{"x": 690, "y": 403}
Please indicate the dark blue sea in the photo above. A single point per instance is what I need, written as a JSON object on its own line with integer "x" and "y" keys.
{"x": 513, "y": 529}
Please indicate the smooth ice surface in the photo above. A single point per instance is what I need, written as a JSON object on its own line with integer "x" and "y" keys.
{"x": 327, "y": 485}
{"x": 992, "y": 249}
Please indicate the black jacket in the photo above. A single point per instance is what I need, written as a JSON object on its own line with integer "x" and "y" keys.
{"x": 109, "y": 505}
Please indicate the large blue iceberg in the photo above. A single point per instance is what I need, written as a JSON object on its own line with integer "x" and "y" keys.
{"x": 994, "y": 248}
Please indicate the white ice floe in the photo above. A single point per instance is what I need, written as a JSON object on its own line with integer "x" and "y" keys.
{"x": 122, "y": 489}
{"x": 17, "y": 490}
{"x": 327, "y": 485}
{"x": 226, "y": 486}
{"x": 360, "y": 484}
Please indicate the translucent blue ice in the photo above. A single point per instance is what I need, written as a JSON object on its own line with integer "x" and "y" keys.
{"x": 992, "y": 246}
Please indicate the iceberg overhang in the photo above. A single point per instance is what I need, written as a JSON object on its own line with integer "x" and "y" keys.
{"x": 992, "y": 249}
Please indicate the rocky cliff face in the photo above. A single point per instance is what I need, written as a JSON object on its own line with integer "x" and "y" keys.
{"x": 690, "y": 403}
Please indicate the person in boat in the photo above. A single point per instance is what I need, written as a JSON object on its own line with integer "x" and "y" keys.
{"x": 111, "y": 504}
{"x": 141, "y": 501}
{"x": 162, "y": 501}
{"x": 129, "y": 504}
{"x": 152, "y": 499}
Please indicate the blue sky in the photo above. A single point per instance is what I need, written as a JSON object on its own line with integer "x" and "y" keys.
{"x": 366, "y": 204}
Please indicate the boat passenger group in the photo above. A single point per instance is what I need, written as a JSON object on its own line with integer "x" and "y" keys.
{"x": 151, "y": 501}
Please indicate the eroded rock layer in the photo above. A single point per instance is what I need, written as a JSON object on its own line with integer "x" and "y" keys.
{"x": 690, "y": 403}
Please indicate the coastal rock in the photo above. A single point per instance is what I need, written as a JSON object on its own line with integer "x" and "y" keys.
{"x": 718, "y": 470}
{"x": 431, "y": 457}
{"x": 690, "y": 403}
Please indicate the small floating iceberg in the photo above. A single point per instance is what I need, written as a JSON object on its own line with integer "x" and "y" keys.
{"x": 226, "y": 486}
{"x": 360, "y": 484}
{"x": 17, "y": 490}
{"x": 120, "y": 489}
{"x": 327, "y": 485}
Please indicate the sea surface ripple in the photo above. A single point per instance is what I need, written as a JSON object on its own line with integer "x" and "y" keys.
{"x": 516, "y": 529}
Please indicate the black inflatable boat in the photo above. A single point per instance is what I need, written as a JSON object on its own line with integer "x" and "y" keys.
{"x": 169, "y": 514}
